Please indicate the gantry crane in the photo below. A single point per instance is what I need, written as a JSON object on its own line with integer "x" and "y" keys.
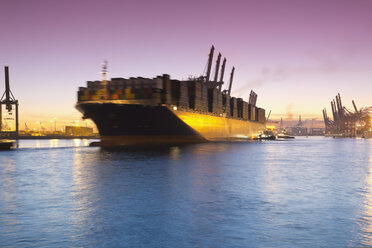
{"x": 8, "y": 100}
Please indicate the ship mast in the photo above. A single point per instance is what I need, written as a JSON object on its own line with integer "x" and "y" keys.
{"x": 104, "y": 73}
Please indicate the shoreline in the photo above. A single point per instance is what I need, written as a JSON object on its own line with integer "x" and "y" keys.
{"x": 48, "y": 137}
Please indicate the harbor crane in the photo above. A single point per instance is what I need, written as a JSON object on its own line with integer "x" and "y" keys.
{"x": 346, "y": 122}
{"x": 8, "y": 100}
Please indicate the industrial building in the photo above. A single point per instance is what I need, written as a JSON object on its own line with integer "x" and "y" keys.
{"x": 78, "y": 131}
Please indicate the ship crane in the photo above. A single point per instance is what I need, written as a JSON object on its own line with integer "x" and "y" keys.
{"x": 217, "y": 67}
{"x": 268, "y": 116}
{"x": 327, "y": 122}
{"x": 252, "y": 98}
{"x": 222, "y": 74}
{"x": 215, "y": 83}
{"x": 231, "y": 80}
{"x": 209, "y": 64}
{"x": 9, "y": 101}
{"x": 355, "y": 108}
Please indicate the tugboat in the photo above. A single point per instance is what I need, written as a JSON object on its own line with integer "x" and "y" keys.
{"x": 284, "y": 135}
{"x": 266, "y": 135}
{"x": 6, "y": 144}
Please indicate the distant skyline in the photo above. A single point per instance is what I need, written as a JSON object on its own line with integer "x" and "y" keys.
{"x": 297, "y": 55}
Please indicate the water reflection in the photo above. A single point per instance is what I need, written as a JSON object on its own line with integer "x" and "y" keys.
{"x": 7, "y": 166}
{"x": 174, "y": 153}
{"x": 146, "y": 191}
{"x": 366, "y": 219}
{"x": 53, "y": 143}
{"x": 77, "y": 142}
{"x": 302, "y": 193}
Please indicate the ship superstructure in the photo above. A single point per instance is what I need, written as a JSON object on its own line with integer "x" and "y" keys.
{"x": 138, "y": 111}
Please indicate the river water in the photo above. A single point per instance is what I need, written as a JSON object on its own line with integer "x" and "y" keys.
{"x": 307, "y": 192}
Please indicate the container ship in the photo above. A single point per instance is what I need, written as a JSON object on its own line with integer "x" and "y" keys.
{"x": 161, "y": 110}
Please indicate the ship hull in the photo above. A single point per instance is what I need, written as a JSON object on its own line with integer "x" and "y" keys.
{"x": 213, "y": 127}
{"x": 136, "y": 124}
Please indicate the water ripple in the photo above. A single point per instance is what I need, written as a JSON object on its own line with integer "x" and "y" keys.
{"x": 307, "y": 192}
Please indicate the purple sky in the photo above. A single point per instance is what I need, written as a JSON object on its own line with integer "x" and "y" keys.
{"x": 297, "y": 55}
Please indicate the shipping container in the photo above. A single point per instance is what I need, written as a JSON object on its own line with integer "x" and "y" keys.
{"x": 157, "y": 97}
{"x": 167, "y": 97}
{"x": 261, "y": 115}
{"x": 175, "y": 91}
{"x": 158, "y": 82}
{"x": 239, "y": 102}
{"x": 226, "y": 104}
{"x": 148, "y": 83}
{"x": 194, "y": 93}
{"x": 128, "y": 94}
{"x": 233, "y": 107}
{"x": 245, "y": 111}
{"x": 252, "y": 112}
{"x": 204, "y": 97}
{"x": 101, "y": 92}
{"x": 96, "y": 97}
{"x": 131, "y": 83}
{"x": 219, "y": 109}
{"x": 257, "y": 112}
{"x": 147, "y": 93}
{"x": 213, "y": 100}
{"x": 117, "y": 82}
{"x": 135, "y": 93}
{"x": 184, "y": 96}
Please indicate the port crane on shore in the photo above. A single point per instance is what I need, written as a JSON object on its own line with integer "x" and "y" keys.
{"x": 346, "y": 122}
{"x": 11, "y": 103}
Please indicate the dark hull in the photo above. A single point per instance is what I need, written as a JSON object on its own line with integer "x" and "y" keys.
{"x": 134, "y": 124}
{"x": 286, "y": 137}
{"x": 6, "y": 145}
{"x": 271, "y": 137}
{"x": 123, "y": 123}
